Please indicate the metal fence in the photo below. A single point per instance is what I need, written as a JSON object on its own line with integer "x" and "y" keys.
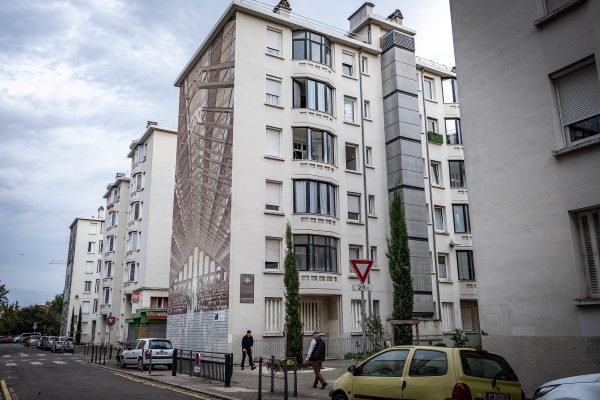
{"x": 98, "y": 353}
{"x": 336, "y": 348}
{"x": 215, "y": 366}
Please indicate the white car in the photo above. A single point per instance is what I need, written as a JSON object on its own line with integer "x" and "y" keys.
{"x": 581, "y": 387}
{"x": 140, "y": 352}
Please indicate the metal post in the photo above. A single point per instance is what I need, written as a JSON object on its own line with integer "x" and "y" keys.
{"x": 295, "y": 377}
{"x": 362, "y": 322}
{"x": 174, "y": 363}
{"x": 190, "y": 363}
{"x": 104, "y": 358}
{"x": 110, "y": 354}
{"x": 228, "y": 369}
{"x": 92, "y": 353}
{"x": 260, "y": 361}
{"x": 285, "y": 379}
{"x": 272, "y": 373}
{"x": 150, "y": 363}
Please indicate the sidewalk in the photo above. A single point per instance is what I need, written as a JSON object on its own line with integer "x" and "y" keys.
{"x": 244, "y": 384}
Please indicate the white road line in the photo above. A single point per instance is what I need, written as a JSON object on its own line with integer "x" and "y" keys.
{"x": 11, "y": 364}
{"x": 7, "y": 356}
{"x": 23, "y": 355}
{"x": 35, "y": 363}
{"x": 41, "y": 354}
{"x": 59, "y": 362}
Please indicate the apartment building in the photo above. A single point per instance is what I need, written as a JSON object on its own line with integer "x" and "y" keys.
{"x": 145, "y": 290}
{"x": 449, "y": 220}
{"x": 82, "y": 278}
{"x": 326, "y": 126}
{"x": 530, "y": 102}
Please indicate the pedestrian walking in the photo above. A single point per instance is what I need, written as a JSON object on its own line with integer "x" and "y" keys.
{"x": 247, "y": 343}
{"x": 316, "y": 356}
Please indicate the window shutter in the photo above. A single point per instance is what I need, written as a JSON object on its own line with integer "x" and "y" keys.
{"x": 467, "y": 318}
{"x": 274, "y": 87}
{"x": 272, "y": 250}
{"x": 590, "y": 241}
{"x": 273, "y": 196}
{"x": 348, "y": 59}
{"x": 447, "y": 317}
{"x": 297, "y": 95}
{"x": 274, "y": 40}
{"x": 354, "y": 204}
{"x": 273, "y": 142}
{"x": 579, "y": 94}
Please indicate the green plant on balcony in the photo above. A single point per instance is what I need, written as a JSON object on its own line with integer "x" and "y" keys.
{"x": 435, "y": 137}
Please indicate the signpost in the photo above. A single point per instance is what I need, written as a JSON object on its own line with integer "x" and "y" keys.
{"x": 362, "y": 268}
{"x": 110, "y": 321}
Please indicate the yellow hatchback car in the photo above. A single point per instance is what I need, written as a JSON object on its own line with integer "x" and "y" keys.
{"x": 429, "y": 373}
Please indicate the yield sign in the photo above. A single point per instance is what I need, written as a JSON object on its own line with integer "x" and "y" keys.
{"x": 362, "y": 268}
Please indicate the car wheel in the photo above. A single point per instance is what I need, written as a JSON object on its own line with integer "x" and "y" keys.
{"x": 141, "y": 365}
{"x": 122, "y": 363}
{"x": 339, "y": 396}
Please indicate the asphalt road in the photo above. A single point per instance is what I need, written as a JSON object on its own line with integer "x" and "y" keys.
{"x": 30, "y": 373}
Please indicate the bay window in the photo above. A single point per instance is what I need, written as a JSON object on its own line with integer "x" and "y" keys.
{"x": 313, "y": 197}
{"x": 316, "y": 253}
{"x": 312, "y": 94}
{"x": 313, "y": 144}
{"x": 311, "y": 46}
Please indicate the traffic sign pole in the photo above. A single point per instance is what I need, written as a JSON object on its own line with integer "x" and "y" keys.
{"x": 362, "y": 268}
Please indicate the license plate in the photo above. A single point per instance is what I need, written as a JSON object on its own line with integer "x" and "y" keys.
{"x": 497, "y": 396}
{"x": 161, "y": 352}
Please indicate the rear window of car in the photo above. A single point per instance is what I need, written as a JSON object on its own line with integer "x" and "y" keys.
{"x": 485, "y": 365}
{"x": 160, "y": 345}
{"x": 428, "y": 363}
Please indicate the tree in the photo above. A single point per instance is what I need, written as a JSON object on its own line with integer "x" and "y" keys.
{"x": 398, "y": 254}
{"x": 374, "y": 331}
{"x": 78, "y": 333}
{"x": 72, "y": 326}
{"x": 3, "y": 294}
{"x": 291, "y": 282}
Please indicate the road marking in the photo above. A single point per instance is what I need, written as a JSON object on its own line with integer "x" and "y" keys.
{"x": 59, "y": 362}
{"x": 7, "y": 356}
{"x": 35, "y": 363}
{"x": 161, "y": 386}
{"x": 41, "y": 354}
{"x": 24, "y": 355}
{"x": 11, "y": 364}
{"x": 5, "y": 391}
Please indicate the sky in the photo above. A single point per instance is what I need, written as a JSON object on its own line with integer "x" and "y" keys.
{"x": 78, "y": 81}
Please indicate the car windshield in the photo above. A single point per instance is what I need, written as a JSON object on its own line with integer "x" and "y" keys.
{"x": 485, "y": 365}
{"x": 160, "y": 344}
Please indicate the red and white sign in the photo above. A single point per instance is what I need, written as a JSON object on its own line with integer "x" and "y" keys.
{"x": 110, "y": 320}
{"x": 135, "y": 297}
{"x": 362, "y": 268}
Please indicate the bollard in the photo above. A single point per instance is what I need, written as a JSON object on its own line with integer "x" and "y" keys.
{"x": 295, "y": 377}
{"x": 285, "y": 379}
{"x": 260, "y": 361}
{"x": 104, "y": 360}
{"x": 149, "y": 363}
{"x": 272, "y": 373}
{"x": 174, "y": 363}
{"x": 228, "y": 369}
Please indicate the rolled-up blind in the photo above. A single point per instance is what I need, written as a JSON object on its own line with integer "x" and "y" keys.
{"x": 579, "y": 94}
{"x": 273, "y": 195}
{"x": 272, "y": 251}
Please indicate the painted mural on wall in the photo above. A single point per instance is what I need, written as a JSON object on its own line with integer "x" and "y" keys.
{"x": 200, "y": 248}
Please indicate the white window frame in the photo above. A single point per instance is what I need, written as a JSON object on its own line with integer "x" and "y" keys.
{"x": 373, "y": 256}
{"x": 277, "y": 50}
{"x": 106, "y": 295}
{"x": 432, "y": 125}
{"x": 364, "y": 65}
{"x": 443, "y": 268}
{"x": 372, "y": 208}
{"x": 356, "y": 155}
{"x": 85, "y": 307}
{"x": 356, "y": 313}
{"x": 272, "y": 255}
{"x": 133, "y": 241}
{"x": 349, "y": 105}
{"x": 108, "y": 272}
{"x": 367, "y": 109}
{"x": 131, "y": 214}
{"x": 435, "y": 171}
{"x": 443, "y": 219}
{"x": 130, "y": 274}
{"x": 95, "y": 306}
{"x": 93, "y": 228}
{"x": 137, "y": 183}
{"x": 139, "y": 154}
{"x": 272, "y": 141}
{"x": 447, "y": 317}
{"x": 96, "y": 285}
{"x": 352, "y": 196}
{"x": 355, "y": 252}
{"x": 348, "y": 60}
{"x": 274, "y": 316}
{"x": 110, "y": 243}
{"x": 273, "y": 196}
{"x": 311, "y": 315}
{"x": 431, "y": 91}
{"x": 369, "y": 156}
{"x": 87, "y": 286}
{"x": 273, "y": 84}
{"x": 89, "y": 267}
{"x": 91, "y": 247}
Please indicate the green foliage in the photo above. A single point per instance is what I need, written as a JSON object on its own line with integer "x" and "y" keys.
{"x": 291, "y": 281}
{"x": 78, "y": 333}
{"x": 435, "y": 137}
{"x": 3, "y": 295}
{"x": 374, "y": 331}
{"x": 398, "y": 254}
{"x": 460, "y": 339}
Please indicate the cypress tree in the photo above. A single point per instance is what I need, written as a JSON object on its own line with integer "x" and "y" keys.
{"x": 398, "y": 254}
{"x": 78, "y": 333}
{"x": 291, "y": 282}
{"x": 72, "y": 325}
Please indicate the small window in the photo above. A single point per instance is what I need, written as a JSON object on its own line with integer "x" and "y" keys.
{"x": 130, "y": 272}
{"x": 374, "y": 256}
{"x": 367, "y": 109}
{"x": 273, "y": 94}
{"x": 349, "y": 109}
{"x": 428, "y": 363}
{"x": 589, "y": 233}
{"x": 89, "y": 267}
{"x": 369, "y": 156}
{"x": 106, "y": 295}
{"x": 110, "y": 243}
{"x": 274, "y": 315}
{"x": 112, "y": 219}
{"x": 447, "y": 317}
{"x": 95, "y": 306}
{"x": 354, "y": 207}
{"x": 100, "y": 246}
{"x": 273, "y": 42}
{"x": 99, "y": 266}
{"x": 439, "y": 214}
{"x": 132, "y": 241}
{"x": 93, "y": 228}
{"x": 457, "y": 174}
{"x": 436, "y": 173}
{"x": 390, "y": 363}
{"x": 371, "y": 201}
{"x": 347, "y": 64}
{"x": 351, "y": 157}
{"x": 428, "y": 88}
{"x": 449, "y": 90}
{"x": 273, "y": 142}
{"x": 91, "y": 247}
{"x": 108, "y": 269}
{"x": 466, "y": 268}
{"x": 139, "y": 154}
{"x": 85, "y": 307}
{"x": 87, "y": 286}
{"x": 354, "y": 253}
{"x": 136, "y": 184}
{"x": 273, "y": 196}
{"x": 272, "y": 254}
{"x": 443, "y": 267}
{"x": 96, "y": 285}
{"x": 453, "y": 134}
{"x": 432, "y": 125}
{"x": 462, "y": 222}
{"x": 356, "y": 316}
{"x": 134, "y": 211}
{"x": 364, "y": 65}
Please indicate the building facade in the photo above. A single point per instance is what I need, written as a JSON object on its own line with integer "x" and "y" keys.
{"x": 82, "y": 277}
{"x": 530, "y": 102}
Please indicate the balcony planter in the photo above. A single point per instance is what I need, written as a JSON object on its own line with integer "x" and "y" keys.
{"x": 435, "y": 138}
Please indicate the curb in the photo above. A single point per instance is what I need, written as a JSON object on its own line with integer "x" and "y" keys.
{"x": 150, "y": 378}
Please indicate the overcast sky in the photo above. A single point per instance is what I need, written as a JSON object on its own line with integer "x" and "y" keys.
{"x": 79, "y": 80}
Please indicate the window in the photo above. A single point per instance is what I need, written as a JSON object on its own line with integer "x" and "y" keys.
{"x": 436, "y": 173}
{"x": 367, "y": 109}
{"x": 274, "y": 42}
{"x": 273, "y": 196}
{"x": 310, "y": 314}
{"x": 85, "y": 307}
{"x": 373, "y": 255}
{"x": 110, "y": 243}
{"x": 347, "y": 64}
{"x": 95, "y": 306}
{"x": 273, "y": 315}
{"x": 132, "y": 241}
{"x": 354, "y": 207}
{"x": 140, "y": 154}
{"x": 449, "y": 90}
{"x": 312, "y": 94}
{"x": 89, "y": 267}
{"x": 136, "y": 184}
{"x": 428, "y": 363}
{"x": 578, "y": 95}
{"x": 364, "y": 65}
{"x": 134, "y": 211}
{"x": 272, "y": 253}
{"x": 84, "y": 326}
{"x": 351, "y": 157}
{"x": 371, "y": 201}
{"x": 93, "y": 228}
{"x": 376, "y": 309}
{"x": 356, "y": 316}
{"x": 106, "y": 295}
{"x": 388, "y": 364}
{"x": 486, "y": 365}
{"x": 97, "y": 286}
{"x": 354, "y": 253}
{"x": 313, "y": 197}
{"x": 443, "y": 267}
{"x": 462, "y": 223}
{"x": 432, "y": 125}
{"x": 100, "y": 246}
{"x": 468, "y": 316}
{"x": 447, "y": 317}
{"x": 273, "y": 90}
{"x": 114, "y": 194}
{"x": 453, "y": 134}
{"x": 159, "y": 302}
{"x": 273, "y": 142}
{"x": 428, "y": 88}
{"x": 316, "y": 253}
{"x": 349, "y": 109}
{"x": 466, "y": 269}
{"x": 439, "y": 214}
{"x": 369, "y": 156}
{"x": 313, "y": 144}
{"x": 311, "y": 46}
{"x": 130, "y": 272}
{"x": 87, "y": 286}
{"x": 457, "y": 174}
{"x": 108, "y": 269}
{"x": 112, "y": 219}
{"x": 99, "y": 266}
{"x": 589, "y": 233}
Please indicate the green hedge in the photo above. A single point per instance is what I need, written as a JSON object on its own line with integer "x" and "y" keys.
{"x": 435, "y": 138}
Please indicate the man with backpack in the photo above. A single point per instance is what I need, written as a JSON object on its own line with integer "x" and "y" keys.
{"x": 316, "y": 356}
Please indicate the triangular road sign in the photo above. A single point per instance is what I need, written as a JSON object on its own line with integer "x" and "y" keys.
{"x": 362, "y": 268}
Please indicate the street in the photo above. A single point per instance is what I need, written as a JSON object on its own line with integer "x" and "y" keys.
{"x": 31, "y": 373}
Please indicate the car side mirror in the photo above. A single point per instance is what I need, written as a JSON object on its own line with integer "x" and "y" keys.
{"x": 353, "y": 370}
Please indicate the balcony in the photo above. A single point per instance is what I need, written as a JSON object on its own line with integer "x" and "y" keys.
{"x": 310, "y": 69}
{"x": 313, "y": 282}
{"x": 315, "y": 168}
{"x": 315, "y": 224}
{"x": 107, "y": 281}
{"x": 468, "y": 290}
{"x": 131, "y": 255}
{"x": 318, "y": 119}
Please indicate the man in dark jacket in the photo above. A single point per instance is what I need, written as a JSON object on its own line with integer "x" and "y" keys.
{"x": 316, "y": 355}
{"x": 247, "y": 343}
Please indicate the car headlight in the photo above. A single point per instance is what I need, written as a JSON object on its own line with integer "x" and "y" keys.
{"x": 541, "y": 391}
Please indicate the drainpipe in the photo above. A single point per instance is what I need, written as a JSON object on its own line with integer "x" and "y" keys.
{"x": 431, "y": 207}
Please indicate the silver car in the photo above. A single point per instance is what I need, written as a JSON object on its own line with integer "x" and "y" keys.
{"x": 581, "y": 387}
{"x": 160, "y": 351}
{"x": 64, "y": 343}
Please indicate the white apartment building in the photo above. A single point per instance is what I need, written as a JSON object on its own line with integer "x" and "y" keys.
{"x": 530, "y": 102}
{"x": 326, "y": 126}
{"x": 82, "y": 278}
{"x": 149, "y": 215}
{"x": 113, "y": 256}
{"x": 449, "y": 218}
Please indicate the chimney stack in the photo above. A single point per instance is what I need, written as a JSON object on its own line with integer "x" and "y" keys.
{"x": 283, "y": 8}
{"x": 396, "y": 17}
{"x": 101, "y": 212}
{"x": 151, "y": 123}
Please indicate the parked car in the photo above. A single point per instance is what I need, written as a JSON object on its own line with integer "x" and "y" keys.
{"x": 160, "y": 351}
{"x": 429, "y": 372}
{"x": 581, "y": 387}
{"x": 63, "y": 343}
{"x": 42, "y": 342}
{"x": 23, "y": 337}
{"x": 7, "y": 339}
{"x": 32, "y": 341}
{"x": 48, "y": 343}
